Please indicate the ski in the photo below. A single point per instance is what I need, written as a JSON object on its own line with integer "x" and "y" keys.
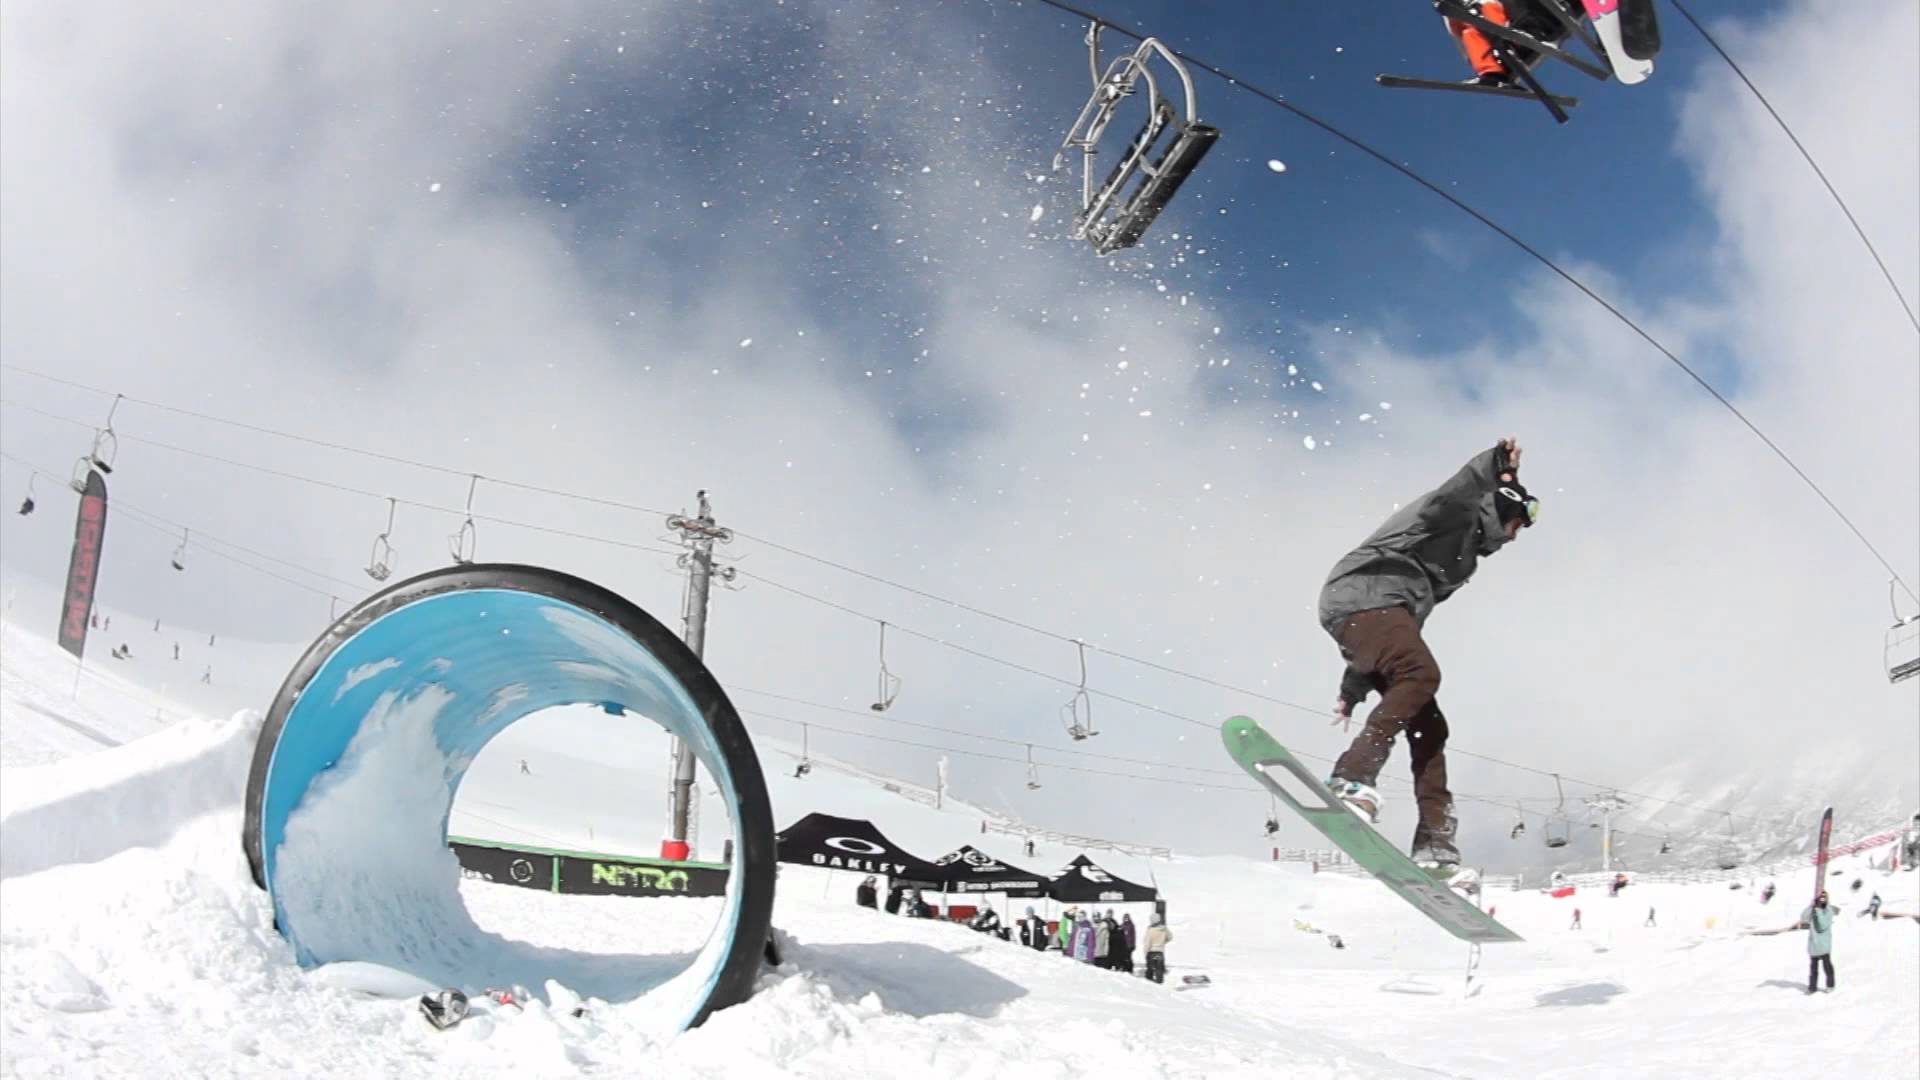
{"x": 1639, "y": 28}
{"x": 1605, "y": 16}
{"x": 1406, "y": 82}
{"x": 1262, "y": 756}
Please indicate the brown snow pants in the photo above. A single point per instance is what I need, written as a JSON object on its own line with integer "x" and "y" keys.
{"x": 1384, "y": 647}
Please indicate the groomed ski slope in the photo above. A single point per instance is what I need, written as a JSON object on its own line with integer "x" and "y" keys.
{"x": 134, "y": 944}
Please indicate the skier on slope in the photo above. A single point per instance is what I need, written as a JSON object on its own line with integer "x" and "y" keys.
{"x": 1375, "y": 602}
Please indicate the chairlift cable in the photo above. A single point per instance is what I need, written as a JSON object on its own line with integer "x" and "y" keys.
{"x": 935, "y": 639}
{"x": 1811, "y": 163}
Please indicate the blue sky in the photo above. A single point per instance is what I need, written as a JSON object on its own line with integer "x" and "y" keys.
{"x": 1337, "y": 238}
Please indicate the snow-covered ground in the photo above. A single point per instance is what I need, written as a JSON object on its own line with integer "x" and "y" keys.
{"x": 133, "y": 943}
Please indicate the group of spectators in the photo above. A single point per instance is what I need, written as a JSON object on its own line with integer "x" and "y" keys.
{"x": 1085, "y": 935}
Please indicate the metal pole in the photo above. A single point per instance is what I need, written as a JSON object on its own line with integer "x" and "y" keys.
{"x": 699, "y": 535}
{"x": 1607, "y": 804}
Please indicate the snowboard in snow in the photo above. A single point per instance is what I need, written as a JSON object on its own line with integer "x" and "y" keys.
{"x": 1262, "y": 756}
{"x": 1610, "y": 26}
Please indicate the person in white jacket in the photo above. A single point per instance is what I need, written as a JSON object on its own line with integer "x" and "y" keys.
{"x": 1158, "y": 937}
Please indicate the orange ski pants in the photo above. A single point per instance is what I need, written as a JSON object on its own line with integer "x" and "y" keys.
{"x": 1479, "y": 50}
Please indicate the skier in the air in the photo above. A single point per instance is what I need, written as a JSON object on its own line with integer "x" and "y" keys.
{"x": 1527, "y": 16}
{"x": 1375, "y": 602}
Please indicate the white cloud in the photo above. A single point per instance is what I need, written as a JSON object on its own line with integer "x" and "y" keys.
{"x": 226, "y": 211}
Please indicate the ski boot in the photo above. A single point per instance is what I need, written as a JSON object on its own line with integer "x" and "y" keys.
{"x": 1363, "y": 799}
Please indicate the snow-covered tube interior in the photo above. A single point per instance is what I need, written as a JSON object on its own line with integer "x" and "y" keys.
{"x": 354, "y": 776}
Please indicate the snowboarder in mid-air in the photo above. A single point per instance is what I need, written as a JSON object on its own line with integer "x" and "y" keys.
{"x": 1375, "y": 603}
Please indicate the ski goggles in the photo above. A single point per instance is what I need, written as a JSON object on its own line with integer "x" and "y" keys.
{"x": 1528, "y": 508}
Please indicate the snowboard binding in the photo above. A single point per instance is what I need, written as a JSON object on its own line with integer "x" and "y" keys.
{"x": 444, "y": 1008}
{"x": 1542, "y": 30}
{"x": 1161, "y": 156}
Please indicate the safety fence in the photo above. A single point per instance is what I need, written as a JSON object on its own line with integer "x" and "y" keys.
{"x": 1093, "y": 843}
{"x": 1337, "y": 862}
{"x": 1715, "y": 875}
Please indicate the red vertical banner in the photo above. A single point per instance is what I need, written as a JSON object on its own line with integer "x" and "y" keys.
{"x": 83, "y": 569}
{"x": 1820, "y": 855}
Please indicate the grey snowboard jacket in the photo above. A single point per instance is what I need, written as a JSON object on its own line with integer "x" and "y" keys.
{"x": 1425, "y": 551}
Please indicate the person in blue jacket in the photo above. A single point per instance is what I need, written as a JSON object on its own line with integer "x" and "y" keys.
{"x": 1818, "y": 922}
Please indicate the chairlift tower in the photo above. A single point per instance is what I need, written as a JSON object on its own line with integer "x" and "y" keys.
{"x": 1606, "y": 805}
{"x": 699, "y": 535}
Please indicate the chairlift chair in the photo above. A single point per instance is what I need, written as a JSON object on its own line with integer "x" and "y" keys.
{"x": 1078, "y": 711}
{"x": 380, "y": 562}
{"x": 1902, "y": 652}
{"x": 889, "y": 683}
{"x": 1560, "y": 838}
{"x": 463, "y": 544}
{"x": 1033, "y": 772}
{"x": 180, "y": 553}
{"x": 1519, "y": 824}
{"x": 1161, "y": 156}
{"x": 27, "y": 504}
{"x": 806, "y": 758}
{"x": 105, "y": 450}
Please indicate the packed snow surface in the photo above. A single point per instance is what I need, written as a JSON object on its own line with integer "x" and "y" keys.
{"x": 135, "y": 944}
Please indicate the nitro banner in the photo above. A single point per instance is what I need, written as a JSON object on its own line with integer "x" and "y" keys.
{"x": 83, "y": 569}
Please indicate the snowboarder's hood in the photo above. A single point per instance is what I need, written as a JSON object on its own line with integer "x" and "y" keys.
{"x": 1493, "y": 535}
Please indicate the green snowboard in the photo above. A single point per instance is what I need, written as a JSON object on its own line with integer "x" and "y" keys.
{"x": 1259, "y": 753}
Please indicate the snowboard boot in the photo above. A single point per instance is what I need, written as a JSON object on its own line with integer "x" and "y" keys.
{"x": 1494, "y": 80}
{"x": 1362, "y": 799}
{"x": 1437, "y": 855}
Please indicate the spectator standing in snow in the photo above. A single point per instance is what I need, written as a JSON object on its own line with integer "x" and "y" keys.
{"x": 895, "y": 897}
{"x": 1872, "y": 910}
{"x": 1083, "y": 937}
{"x": 1129, "y": 938}
{"x": 1576, "y": 920}
{"x": 1766, "y": 894}
{"x": 1158, "y": 938}
{"x": 1818, "y": 922}
{"x": 1103, "y": 941}
{"x": 1064, "y": 932}
{"x": 1649, "y": 921}
{"x": 868, "y": 894}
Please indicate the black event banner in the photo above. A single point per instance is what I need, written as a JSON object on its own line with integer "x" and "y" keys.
{"x": 83, "y": 568}
{"x": 584, "y": 873}
{"x": 837, "y": 843}
{"x": 970, "y": 870}
{"x": 1083, "y": 881}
